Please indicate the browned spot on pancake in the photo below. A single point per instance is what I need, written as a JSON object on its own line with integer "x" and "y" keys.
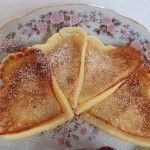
{"x": 70, "y": 80}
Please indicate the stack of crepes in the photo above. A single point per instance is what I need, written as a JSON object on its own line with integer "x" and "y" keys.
{"x": 73, "y": 72}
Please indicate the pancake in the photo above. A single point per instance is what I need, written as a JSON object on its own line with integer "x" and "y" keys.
{"x": 30, "y": 98}
{"x": 106, "y": 67}
{"x": 126, "y": 113}
{"x": 66, "y": 53}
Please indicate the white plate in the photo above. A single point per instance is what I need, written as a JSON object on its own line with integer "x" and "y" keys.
{"x": 36, "y": 27}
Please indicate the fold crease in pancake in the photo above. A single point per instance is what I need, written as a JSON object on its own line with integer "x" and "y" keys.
{"x": 66, "y": 53}
{"x": 105, "y": 68}
{"x": 126, "y": 113}
{"x": 29, "y": 102}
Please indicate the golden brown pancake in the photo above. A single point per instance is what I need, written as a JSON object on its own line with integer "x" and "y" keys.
{"x": 66, "y": 53}
{"x": 126, "y": 113}
{"x": 106, "y": 67}
{"x": 29, "y": 101}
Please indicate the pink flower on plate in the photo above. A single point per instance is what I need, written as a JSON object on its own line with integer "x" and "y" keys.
{"x": 75, "y": 19}
{"x": 42, "y": 26}
{"x": 106, "y": 20}
{"x": 7, "y": 43}
{"x": 124, "y": 31}
{"x": 4, "y": 44}
{"x": 110, "y": 28}
{"x": 10, "y": 43}
{"x": 125, "y": 40}
{"x": 25, "y": 30}
{"x": 147, "y": 46}
{"x": 136, "y": 44}
{"x": 83, "y": 131}
{"x": 61, "y": 141}
{"x": 47, "y": 18}
{"x": 57, "y": 17}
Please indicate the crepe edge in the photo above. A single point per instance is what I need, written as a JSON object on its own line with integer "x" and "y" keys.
{"x": 114, "y": 132}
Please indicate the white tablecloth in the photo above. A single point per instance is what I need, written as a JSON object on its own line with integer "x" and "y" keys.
{"x": 138, "y": 10}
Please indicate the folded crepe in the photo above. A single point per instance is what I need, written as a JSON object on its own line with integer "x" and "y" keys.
{"x": 105, "y": 69}
{"x": 126, "y": 113}
{"x": 30, "y": 98}
{"x": 66, "y": 54}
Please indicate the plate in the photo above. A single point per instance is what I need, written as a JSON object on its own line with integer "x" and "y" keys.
{"x": 40, "y": 24}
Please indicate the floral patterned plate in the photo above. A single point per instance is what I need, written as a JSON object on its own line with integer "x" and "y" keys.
{"x": 36, "y": 27}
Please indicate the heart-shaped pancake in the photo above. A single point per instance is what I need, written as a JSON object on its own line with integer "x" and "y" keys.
{"x": 29, "y": 101}
{"x": 106, "y": 67}
{"x": 66, "y": 53}
{"x": 126, "y": 113}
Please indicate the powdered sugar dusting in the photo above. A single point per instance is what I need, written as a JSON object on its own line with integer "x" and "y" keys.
{"x": 128, "y": 108}
{"x": 102, "y": 70}
{"x": 65, "y": 63}
{"x": 36, "y": 71}
{"x": 29, "y": 97}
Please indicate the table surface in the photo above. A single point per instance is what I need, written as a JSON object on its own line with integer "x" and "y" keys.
{"x": 137, "y": 10}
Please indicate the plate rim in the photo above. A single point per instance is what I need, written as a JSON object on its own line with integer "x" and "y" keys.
{"x": 68, "y": 4}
